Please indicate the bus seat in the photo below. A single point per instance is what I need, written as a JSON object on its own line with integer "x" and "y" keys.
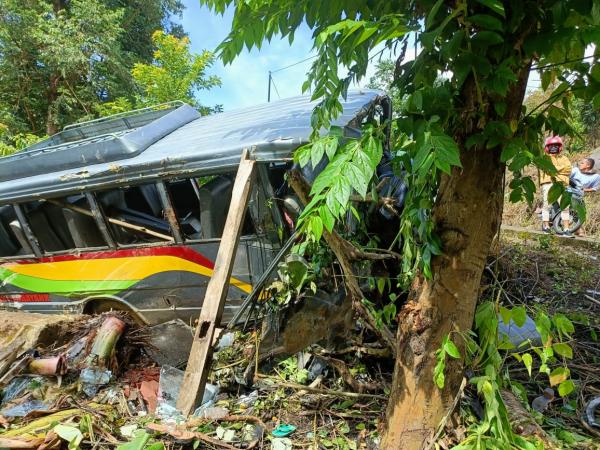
{"x": 7, "y": 245}
{"x": 150, "y": 194}
{"x": 15, "y": 227}
{"x": 57, "y": 219}
{"x": 83, "y": 229}
{"x": 44, "y": 232}
{"x": 214, "y": 197}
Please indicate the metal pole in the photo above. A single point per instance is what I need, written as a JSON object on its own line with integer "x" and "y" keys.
{"x": 269, "y": 89}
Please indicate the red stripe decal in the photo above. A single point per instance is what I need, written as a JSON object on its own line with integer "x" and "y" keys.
{"x": 25, "y": 298}
{"x": 180, "y": 252}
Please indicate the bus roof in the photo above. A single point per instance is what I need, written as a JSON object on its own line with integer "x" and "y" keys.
{"x": 170, "y": 143}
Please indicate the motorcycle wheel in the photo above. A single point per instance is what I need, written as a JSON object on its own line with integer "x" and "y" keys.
{"x": 575, "y": 223}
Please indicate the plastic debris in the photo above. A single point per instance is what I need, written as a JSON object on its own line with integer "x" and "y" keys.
{"x": 283, "y": 430}
{"x": 14, "y": 388}
{"x": 226, "y": 341}
{"x": 91, "y": 380}
{"x": 22, "y": 409}
{"x": 212, "y": 413}
{"x": 590, "y": 412}
{"x": 540, "y": 404}
{"x": 316, "y": 368}
{"x": 128, "y": 431}
{"x": 281, "y": 444}
{"x": 169, "y": 414}
{"x": 225, "y": 434}
{"x": 170, "y": 381}
{"x": 519, "y": 335}
{"x": 248, "y": 399}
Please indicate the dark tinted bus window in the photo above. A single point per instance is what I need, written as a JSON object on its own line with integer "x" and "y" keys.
{"x": 12, "y": 239}
{"x": 61, "y": 224}
{"x": 201, "y": 206}
{"x": 140, "y": 207}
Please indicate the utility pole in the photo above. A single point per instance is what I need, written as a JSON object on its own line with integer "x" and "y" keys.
{"x": 269, "y": 88}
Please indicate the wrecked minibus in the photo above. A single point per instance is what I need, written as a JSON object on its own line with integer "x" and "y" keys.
{"x": 127, "y": 212}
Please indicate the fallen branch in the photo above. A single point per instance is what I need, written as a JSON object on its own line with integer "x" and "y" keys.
{"x": 340, "y": 367}
{"x": 341, "y": 248}
{"x": 182, "y": 432}
{"x": 320, "y": 390}
{"x": 592, "y": 299}
{"x": 371, "y": 351}
{"x": 16, "y": 443}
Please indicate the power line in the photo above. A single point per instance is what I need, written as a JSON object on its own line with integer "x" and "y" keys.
{"x": 294, "y": 64}
{"x": 546, "y": 66}
{"x": 275, "y": 86}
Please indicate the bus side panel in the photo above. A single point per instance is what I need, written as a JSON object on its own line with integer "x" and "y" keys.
{"x": 159, "y": 283}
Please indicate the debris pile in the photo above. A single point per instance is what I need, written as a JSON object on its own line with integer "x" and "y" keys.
{"x": 113, "y": 383}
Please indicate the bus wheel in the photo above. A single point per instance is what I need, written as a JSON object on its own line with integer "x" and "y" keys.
{"x": 100, "y": 306}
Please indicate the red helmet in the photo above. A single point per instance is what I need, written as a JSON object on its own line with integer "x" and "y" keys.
{"x": 553, "y": 145}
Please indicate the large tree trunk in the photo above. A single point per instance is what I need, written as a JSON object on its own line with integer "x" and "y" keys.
{"x": 467, "y": 214}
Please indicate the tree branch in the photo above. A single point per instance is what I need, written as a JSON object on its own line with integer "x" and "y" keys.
{"x": 342, "y": 250}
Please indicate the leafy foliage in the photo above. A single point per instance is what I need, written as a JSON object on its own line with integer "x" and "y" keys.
{"x": 483, "y": 47}
{"x": 485, "y": 353}
{"x": 175, "y": 73}
{"x": 58, "y": 59}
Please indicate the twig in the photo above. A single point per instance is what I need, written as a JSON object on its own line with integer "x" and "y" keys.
{"x": 592, "y": 299}
{"x": 443, "y": 422}
{"x": 320, "y": 390}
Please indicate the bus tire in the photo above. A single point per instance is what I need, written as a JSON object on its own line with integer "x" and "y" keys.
{"x": 102, "y": 305}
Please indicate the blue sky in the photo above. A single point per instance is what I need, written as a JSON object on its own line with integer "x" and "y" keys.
{"x": 245, "y": 80}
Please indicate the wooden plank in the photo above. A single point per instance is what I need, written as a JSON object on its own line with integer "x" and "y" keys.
{"x": 194, "y": 380}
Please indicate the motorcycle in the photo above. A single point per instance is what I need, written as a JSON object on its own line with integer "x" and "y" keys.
{"x": 555, "y": 210}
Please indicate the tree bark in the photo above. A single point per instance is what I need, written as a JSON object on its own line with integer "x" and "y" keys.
{"x": 51, "y": 125}
{"x": 467, "y": 214}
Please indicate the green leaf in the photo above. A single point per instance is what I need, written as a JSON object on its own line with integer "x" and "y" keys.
{"x": 432, "y": 13}
{"x": 563, "y": 324}
{"x": 156, "y": 446}
{"x": 486, "y": 21}
{"x": 446, "y": 149}
{"x": 519, "y": 316}
{"x": 566, "y": 387}
{"x": 316, "y": 153}
{"x": 494, "y": 5}
{"x": 505, "y": 314}
{"x": 451, "y": 349}
{"x": 528, "y": 361}
{"x": 70, "y": 434}
{"x": 316, "y": 227}
{"x": 555, "y": 192}
{"x": 486, "y": 38}
{"x": 563, "y": 350}
{"x": 327, "y": 217}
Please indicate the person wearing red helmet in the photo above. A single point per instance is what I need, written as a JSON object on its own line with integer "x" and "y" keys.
{"x": 553, "y": 147}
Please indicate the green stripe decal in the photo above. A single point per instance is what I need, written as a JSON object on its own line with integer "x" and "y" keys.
{"x": 79, "y": 287}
